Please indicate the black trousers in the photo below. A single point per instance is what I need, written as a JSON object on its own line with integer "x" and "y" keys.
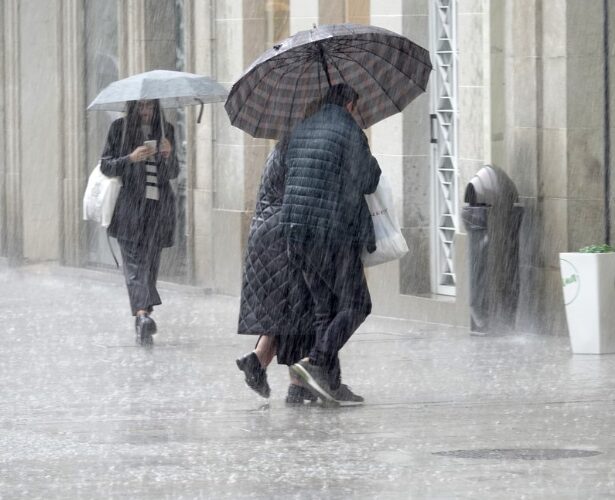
{"x": 335, "y": 278}
{"x": 141, "y": 261}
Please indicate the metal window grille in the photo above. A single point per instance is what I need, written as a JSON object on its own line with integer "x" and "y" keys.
{"x": 444, "y": 143}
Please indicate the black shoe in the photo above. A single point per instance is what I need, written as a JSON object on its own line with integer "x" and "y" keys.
{"x": 315, "y": 380}
{"x": 256, "y": 375}
{"x": 343, "y": 394}
{"x": 145, "y": 327}
{"x": 297, "y": 395}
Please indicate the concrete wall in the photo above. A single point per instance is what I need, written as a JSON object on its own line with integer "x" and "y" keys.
{"x": 12, "y": 133}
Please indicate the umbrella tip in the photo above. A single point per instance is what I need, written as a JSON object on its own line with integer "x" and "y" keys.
{"x": 314, "y": 26}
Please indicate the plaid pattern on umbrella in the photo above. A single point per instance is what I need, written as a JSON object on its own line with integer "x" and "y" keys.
{"x": 387, "y": 70}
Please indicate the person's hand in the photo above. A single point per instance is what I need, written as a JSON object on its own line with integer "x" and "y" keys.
{"x": 165, "y": 148}
{"x": 139, "y": 154}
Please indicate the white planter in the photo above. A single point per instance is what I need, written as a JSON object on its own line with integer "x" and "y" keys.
{"x": 589, "y": 294}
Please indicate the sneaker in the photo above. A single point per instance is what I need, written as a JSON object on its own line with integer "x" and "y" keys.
{"x": 145, "y": 327}
{"x": 343, "y": 394}
{"x": 256, "y": 375}
{"x": 315, "y": 380}
{"x": 297, "y": 395}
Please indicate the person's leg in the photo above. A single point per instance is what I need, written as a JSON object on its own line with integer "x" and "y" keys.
{"x": 353, "y": 305}
{"x": 265, "y": 349}
{"x": 136, "y": 266}
{"x": 342, "y": 302}
{"x": 311, "y": 371}
{"x": 339, "y": 330}
{"x": 153, "y": 258}
{"x": 132, "y": 265}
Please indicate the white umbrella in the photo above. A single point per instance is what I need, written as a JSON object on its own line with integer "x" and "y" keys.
{"x": 174, "y": 89}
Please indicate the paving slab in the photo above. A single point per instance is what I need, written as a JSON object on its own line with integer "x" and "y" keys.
{"x": 85, "y": 413}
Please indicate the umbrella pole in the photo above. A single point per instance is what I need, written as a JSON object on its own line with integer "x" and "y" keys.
{"x": 162, "y": 134}
{"x": 323, "y": 61}
{"x": 198, "y": 120}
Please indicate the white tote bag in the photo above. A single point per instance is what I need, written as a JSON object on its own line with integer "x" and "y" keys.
{"x": 390, "y": 243}
{"x": 100, "y": 196}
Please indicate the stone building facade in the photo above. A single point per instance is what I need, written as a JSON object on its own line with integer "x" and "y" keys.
{"x": 521, "y": 84}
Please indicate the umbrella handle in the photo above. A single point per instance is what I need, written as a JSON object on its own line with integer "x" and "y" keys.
{"x": 198, "y": 120}
{"x": 162, "y": 134}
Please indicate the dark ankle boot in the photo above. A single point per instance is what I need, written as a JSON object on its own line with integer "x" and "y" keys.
{"x": 145, "y": 327}
{"x": 256, "y": 375}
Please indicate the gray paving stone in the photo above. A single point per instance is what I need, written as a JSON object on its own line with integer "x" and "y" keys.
{"x": 84, "y": 413}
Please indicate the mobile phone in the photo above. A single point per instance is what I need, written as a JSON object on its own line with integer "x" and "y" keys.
{"x": 151, "y": 145}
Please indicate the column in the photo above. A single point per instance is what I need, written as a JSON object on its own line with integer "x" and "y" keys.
{"x": 554, "y": 177}
{"x": 2, "y": 137}
{"x": 522, "y": 54}
{"x": 73, "y": 133}
{"x": 12, "y": 138}
{"x": 401, "y": 145}
{"x": 239, "y": 33}
{"x": 201, "y": 191}
{"x": 131, "y": 36}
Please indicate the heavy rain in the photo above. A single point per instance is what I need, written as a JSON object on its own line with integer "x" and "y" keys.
{"x": 306, "y": 249}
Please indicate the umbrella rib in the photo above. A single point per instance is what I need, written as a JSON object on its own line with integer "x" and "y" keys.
{"x": 399, "y": 70}
{"x": 376, "y": 81}
{"x": 411, "y": 53}
{"x": 268, "y": 98}
{"x": 294, "y": 55}
{"x": 344, "y": 79}
{"x": 234, "y": 89}
{"x": 295, "y": 91}
{"x": 403, "y": 49}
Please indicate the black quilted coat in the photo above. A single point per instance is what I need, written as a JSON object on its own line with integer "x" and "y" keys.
{"x": 274, "y": 298}
{"x": 330, "y": 168}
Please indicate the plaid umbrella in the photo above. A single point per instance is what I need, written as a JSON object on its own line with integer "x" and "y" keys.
{"x": 386, "y": 69}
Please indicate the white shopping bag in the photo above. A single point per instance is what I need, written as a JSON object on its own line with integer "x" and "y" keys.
{"x": 390, "y": 242}
{"x": 100, "y": 196}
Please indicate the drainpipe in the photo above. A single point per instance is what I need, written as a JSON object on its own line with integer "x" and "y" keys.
{"x": 607, "y": 127}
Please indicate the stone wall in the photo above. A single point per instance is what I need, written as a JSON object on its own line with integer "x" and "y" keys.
{"x": 530, "y": 88}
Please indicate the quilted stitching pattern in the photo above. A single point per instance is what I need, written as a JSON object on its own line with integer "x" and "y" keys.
{"x": 274, "y": 298}
{"x": 330, "y": 168}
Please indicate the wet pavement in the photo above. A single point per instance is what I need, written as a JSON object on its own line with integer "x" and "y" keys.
{"x": 85, "y": 413}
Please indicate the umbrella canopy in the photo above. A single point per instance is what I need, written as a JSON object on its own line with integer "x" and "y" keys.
{"x": 386, "y": 69}
{"x": 173, "y": 89}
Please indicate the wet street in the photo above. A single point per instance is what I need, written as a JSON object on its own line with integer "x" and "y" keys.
{"x": 85, "y": 413}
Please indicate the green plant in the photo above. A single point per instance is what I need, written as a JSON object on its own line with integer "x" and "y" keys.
{"x": 604, "y": 248}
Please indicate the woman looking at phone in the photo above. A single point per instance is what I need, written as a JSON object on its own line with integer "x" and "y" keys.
{"x": 143, "y": 222}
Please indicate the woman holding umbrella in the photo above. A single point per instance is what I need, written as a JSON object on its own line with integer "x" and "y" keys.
{"x": 140, "y": 150}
